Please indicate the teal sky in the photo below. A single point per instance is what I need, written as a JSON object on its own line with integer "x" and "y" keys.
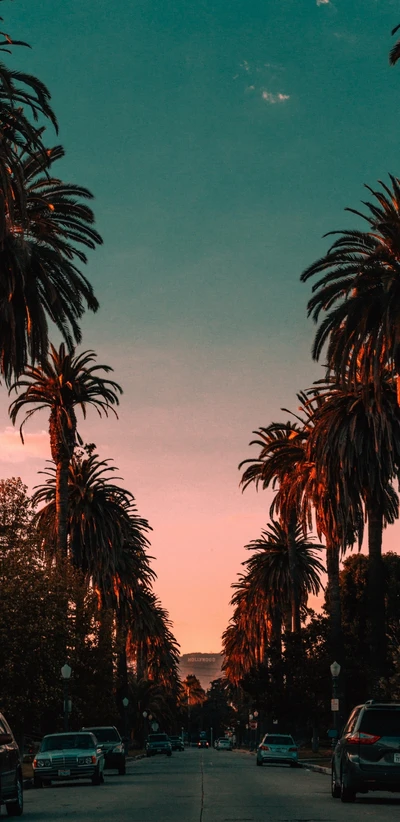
{"x": 221, "y": 140}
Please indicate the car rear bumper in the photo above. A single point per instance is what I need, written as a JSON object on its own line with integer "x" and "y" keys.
{"x": 289, "y": 760}
{"x": 374, "y": 779}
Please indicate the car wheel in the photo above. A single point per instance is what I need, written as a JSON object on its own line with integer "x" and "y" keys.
{"x": 96, "y": 778}
{"x": 37, "y": 782}
{"x": 259, "y": 762}
{"x": 335, "y": 788}
{"x": 16, "y": 808}
{"x": 347, "y": 793}
{"x": 122, "y": 770}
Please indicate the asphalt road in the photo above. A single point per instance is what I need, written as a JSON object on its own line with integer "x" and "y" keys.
{"x": 205, "y": 786}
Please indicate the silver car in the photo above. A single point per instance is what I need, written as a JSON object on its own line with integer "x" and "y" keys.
{"x": 223, "y": 744}
{"x": 68, "y": 756}
{"x": 278, "y": 748}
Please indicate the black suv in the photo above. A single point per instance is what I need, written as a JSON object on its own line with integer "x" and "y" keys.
{"x": 158, "y": 743}
{"x": 367, "y": 754}
{"x": 111, "y": 743}
{"x": 11, "y": 792}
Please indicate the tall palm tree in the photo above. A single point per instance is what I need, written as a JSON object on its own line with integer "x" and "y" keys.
{"x": 63, "y": 383}
{"x": 24, "y": 101}
{"x": 106, "y": 538}
{"x": 356, "y": 444}
{"x": 39, "y": 257}
{"x": 268, "y": 568}
{"x": 359, "y": 291}
{"x": 394, "y": 55}
{"x": 281, "y": 449}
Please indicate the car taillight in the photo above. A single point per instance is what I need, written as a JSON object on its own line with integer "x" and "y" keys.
{"x": 293, "y": 750}
{"x": 358, "y": 738}
{"x": 264, "y": 748}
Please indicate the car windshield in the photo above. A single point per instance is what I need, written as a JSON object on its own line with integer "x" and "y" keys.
{"x": 279, "y": 740}
{"x": 106, "y": 734}
{"x": 66, "y": 742}
{"x": 158, "y": 738}
{"x": 175, "y": 738}
{"x": 381, "y": 723}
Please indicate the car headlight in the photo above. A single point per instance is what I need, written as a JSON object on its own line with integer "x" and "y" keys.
{"x": 118, "y": 748}
{"x": 42, "y": 763}
{"x": 85, "y": 760}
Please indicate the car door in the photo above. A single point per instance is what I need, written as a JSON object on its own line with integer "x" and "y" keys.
{"x": 6, "y": 770}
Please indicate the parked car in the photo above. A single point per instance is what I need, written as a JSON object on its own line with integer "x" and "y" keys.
{"x": 202, "y": 743}
{"x": 223, "y": 744}
{"x": 68, "y": 756}
{"x": 111, "y": 743}
{"x": 176, "y": 743}
{"x": 11, "y": 782}
{"x": 367, "y": 753}
{"x": 277, "y": 748}
{"x": 158, "y": 744}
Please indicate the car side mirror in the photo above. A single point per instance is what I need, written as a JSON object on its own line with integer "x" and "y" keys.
{"x": 5, "y": 739}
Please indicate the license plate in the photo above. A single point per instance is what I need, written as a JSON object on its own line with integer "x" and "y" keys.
{"x": 64, "y": 772}
{"x": 396, "y": 757}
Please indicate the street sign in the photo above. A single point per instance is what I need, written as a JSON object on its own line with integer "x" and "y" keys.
{"x": 334, "y": 704}
{"x": 253, "y": 726}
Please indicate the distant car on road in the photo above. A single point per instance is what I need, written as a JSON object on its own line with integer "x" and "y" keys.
{"x": 367, "y": 754}
{"x": 202, "y": 743}
{"x": 68, "y": 756}
{"x": 176, "y": 743}
{"x": 158, "y": 744}
{"x": 11, "y": 790}
{"x": 277, "y": 748}
{"x": 111, "y": 743}
{"x": 223, "y": 744}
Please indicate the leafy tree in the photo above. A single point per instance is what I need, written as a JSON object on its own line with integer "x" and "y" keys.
{"x": 63, "y": 383}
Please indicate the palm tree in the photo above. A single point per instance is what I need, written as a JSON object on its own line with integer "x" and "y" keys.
{"x": 106, "y": 538}
{"x": 355, "y": 443}
{"x": 268, "y": 569}
{"x": 23, "y": 99}
{"x": 63, "y": 383}
{"x": 394, "y": 55}
{"x": 359, "y": 291}
{"x": 281, "y": 447}
{"x": 39, "y": 254}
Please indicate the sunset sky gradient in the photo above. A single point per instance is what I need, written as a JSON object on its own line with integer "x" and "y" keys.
{"x": 221, "y": 140}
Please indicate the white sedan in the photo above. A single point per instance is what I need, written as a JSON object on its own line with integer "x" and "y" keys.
{"x": 277, "y": 748}
{"x": 223, "y": 744}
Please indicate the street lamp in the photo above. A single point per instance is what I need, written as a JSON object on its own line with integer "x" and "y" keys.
{"x": 335, "y": 671}
{"x": 66, "y": 672}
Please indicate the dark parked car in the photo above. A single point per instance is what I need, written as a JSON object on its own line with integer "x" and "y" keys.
{"x": 158, "y": 744}
{"x": 202, "y": 743}
{"x": 176, "y": 743}
{"x": 11, "y": 791}
{"x": 112, "y": 745}
{"x": 367, "y": 754}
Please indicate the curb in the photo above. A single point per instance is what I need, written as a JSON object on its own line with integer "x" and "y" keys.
{"x": 315, "y": 768}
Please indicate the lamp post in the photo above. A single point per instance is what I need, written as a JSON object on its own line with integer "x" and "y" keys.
{"x": 125, "y": 703}
{"x": 145, "y": 725}
{"x": 256, "y": 728}
{"x": 66, "y": 672}
{"x": 335, "y": 671}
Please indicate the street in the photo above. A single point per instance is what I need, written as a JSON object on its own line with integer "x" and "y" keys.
{"x": 205, "y": 786}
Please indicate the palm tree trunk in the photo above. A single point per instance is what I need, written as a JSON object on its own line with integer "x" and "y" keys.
{"x": 122, "y": 663}
{"x": 333, "y": 600}
{"x": 292, "y": 552}
{"x": 376, "y": 594}
{"x": 62, "y": 506}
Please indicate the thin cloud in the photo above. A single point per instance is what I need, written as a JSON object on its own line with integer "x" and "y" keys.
{"x": 275, "y": 98}
{"x": 323, "y": 2}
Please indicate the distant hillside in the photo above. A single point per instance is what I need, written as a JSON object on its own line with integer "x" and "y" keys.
{"x": 205, "y": 666}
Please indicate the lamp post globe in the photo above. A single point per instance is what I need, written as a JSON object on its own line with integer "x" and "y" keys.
{"x": 335, "y": 669}
{"x": 66, "y": 672}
